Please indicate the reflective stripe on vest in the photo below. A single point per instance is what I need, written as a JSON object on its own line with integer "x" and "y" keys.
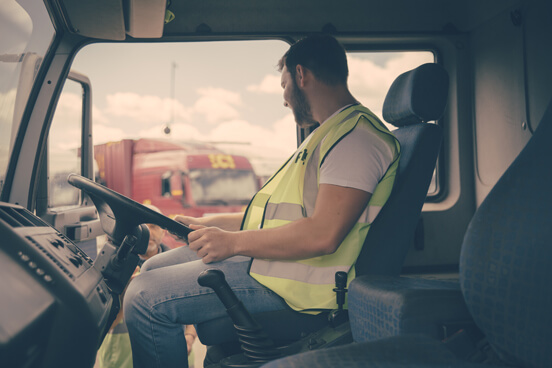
{"x": 290, "y": 194}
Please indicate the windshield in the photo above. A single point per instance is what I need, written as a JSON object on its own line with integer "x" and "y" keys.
{"x": 222, "y": 187}
{"x": 26, "y": 34}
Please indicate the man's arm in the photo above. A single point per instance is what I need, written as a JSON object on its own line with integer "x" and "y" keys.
{"x": 227, "y": 221}
{"x": 336, "y": 211}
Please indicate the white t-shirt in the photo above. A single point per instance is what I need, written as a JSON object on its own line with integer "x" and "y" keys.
{"x": 358, "y": 161}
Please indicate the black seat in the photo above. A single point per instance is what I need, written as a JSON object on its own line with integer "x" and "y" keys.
{"x": 416, "y": 97}
{"x": 505, "y": 279}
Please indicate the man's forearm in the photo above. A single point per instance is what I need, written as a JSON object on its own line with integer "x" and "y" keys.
{"x": 336, "y": 212}
{"x": 298, "y": 240}
{"x": 227, "y": 221}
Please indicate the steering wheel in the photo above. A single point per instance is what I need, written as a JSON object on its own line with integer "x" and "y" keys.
{"x": 119, "y": 215}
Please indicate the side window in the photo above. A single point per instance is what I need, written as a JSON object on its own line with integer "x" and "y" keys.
{"x": 372, "y": 73}
{"x": 64, "y": 146}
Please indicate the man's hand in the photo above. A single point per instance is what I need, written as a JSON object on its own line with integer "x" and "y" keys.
{"x": 227, "y": 221}
{"x": 211, "y": 243}
{"x": 155, "y": 239}
{"x": 188, "y": 220}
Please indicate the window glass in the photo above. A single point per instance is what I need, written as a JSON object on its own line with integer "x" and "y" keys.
{"x": 64, "y": 146}
{"x": 220, "y": 186}
{"x": 215, "y": 99}
{"x": 227, "y": 94}
{"x": 26, "y": 33}
{"x": 371, "y": 75}
{"x": 223, "y": 94}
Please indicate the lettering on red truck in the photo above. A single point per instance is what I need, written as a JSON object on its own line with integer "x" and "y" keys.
{"x": 220, "y": 161}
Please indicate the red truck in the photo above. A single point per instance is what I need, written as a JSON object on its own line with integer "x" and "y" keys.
{"x": 193, "y": 179}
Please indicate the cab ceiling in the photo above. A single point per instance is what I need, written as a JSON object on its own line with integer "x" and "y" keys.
{"x": 117, "y": 20}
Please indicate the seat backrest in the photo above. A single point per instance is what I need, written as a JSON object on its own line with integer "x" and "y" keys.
{"x": 505, "y": 262}
{"x": 414, "y": 98}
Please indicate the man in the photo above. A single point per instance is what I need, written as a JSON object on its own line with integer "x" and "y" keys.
{"x": 307, "y": 222}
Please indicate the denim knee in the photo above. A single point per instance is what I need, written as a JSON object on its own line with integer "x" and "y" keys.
{"x": 134, "y": 303}
{"x": 146, "y": 265}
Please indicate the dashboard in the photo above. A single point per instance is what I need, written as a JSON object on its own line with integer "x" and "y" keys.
{"x": 54, "y": 304}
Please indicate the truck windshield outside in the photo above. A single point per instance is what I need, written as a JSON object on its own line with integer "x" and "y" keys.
{"x": 222, "y": 187}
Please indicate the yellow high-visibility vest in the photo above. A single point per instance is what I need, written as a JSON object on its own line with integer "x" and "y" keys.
{"x": 308, "y": 284}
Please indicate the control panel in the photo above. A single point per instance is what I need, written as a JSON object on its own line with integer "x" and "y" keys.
{"x": 55, "y": 304}
{"x": 58, "y": 249}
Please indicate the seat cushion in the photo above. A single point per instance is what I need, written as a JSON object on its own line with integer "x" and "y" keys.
{"x": 400, "y": 351}
{"x": 384, "y": 306}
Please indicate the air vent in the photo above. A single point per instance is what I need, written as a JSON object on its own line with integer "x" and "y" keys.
{"x": 19, "y": 217}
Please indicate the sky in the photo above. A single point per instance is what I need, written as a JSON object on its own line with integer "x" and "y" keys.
{"x": 225, "y": 92}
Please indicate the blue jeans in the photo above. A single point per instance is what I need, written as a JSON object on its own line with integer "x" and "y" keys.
{"x": 166, "y": 296}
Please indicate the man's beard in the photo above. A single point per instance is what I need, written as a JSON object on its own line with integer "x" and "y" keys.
{"x": 301, "y": 107}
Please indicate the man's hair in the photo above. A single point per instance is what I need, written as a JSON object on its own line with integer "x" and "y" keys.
{"x": 323, "y": 55}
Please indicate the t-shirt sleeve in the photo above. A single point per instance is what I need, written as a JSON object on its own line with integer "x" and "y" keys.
{"x": 358, "y": 161}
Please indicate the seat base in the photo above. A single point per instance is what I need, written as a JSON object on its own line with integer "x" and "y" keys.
{"x": 385, "y": 306}
{"x": 412, "y": 351}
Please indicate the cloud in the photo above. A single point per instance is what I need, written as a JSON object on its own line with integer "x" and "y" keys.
{"x": 98, "y": 116}
{"x": 69, "y": 107}
{"x": 103, "y": 134}
{"x": 145, "y": 109}
{"x": 280, "y": 136}
{"x": 212, "y": 106}
{"x": 7, "y": 104}
{"x": 270, "y": 84}
{"x": 179, "y": 131}
{"x": 367, "y": 78}
{"x": 65, "y": 133}
{"x": 217, "y": 104}
{"x": 369, "y": 82}
{"x": 266, "y": 147}
{"x": 216, "y": 114}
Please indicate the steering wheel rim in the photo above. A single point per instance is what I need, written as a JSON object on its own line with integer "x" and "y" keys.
{"x": 119, "y": 215}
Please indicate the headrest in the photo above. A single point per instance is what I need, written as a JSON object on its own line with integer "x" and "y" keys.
{"x": 417, "y": 96}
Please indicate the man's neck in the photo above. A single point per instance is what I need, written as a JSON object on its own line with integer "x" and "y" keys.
{"x": 338, "y": 111}
{"x": 329, "y": 100}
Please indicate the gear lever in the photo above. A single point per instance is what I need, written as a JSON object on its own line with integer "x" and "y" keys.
{"x": 256, "y": 345}
{"x": 339, "y": 315}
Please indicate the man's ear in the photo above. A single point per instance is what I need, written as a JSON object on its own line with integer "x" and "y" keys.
{"x": 301, "y": 75}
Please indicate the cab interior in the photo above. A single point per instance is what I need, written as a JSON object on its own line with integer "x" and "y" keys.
{"x": 496, "y": 55}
